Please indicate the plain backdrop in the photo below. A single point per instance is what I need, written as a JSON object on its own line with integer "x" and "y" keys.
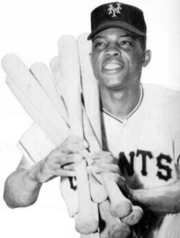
{"x": 31, "y": 30}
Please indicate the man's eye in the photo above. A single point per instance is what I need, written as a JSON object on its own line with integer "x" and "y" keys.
{"x": 100, "y": 44}
{"x": 126, "y": 43}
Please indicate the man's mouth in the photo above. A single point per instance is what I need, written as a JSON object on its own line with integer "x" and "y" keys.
{"x": 112, "y": 66}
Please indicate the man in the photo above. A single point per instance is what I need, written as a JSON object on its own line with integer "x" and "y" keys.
{"x": 140, "y": 128}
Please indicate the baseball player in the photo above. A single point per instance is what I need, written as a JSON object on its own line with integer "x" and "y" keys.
{"x": 141, "y": 122}
{"x": 140, "y": 127}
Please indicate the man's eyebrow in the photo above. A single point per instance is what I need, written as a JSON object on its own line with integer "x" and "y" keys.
{"x": 98, "y": 37}
{"x": 127, "y": 35}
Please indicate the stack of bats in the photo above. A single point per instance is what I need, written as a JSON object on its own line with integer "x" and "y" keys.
{"x": 65, "y": 104}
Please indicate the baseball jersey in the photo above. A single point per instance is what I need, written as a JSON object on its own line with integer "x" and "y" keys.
{"x": 147, "y": 143}
{"x": 147, "y": 147}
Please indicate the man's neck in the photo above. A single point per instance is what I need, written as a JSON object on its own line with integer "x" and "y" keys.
{"x": 120, "y": 103}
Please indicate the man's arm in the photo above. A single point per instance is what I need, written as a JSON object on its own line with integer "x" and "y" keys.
{"x": 22, "y": 186}
{"x": 165, "y": 199}
{"x": 20, "y": 189}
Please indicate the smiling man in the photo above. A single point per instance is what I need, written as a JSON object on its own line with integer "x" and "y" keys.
{"x": 141, "y": 122}
{"x": 140, "y": 127}
{"x": 117, "y": 60}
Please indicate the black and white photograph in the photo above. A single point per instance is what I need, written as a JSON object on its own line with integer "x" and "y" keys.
{"x": 90, "y": 119}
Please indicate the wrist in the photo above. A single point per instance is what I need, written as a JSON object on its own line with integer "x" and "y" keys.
{"x": 34, "y": 174}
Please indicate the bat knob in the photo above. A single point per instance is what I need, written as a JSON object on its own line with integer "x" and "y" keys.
{"x": 98, "y": 193}
{"x": 121, "y": 209}
{"x": 122, "y": 231}
{"x": 84, "y": 227}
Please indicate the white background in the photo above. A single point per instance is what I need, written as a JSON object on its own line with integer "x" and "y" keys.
{"x": 31, "y": 30}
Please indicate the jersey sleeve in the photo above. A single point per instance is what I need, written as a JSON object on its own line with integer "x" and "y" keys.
{"x": 35, "y": 145}
{"x": 176, "y": 146}
{"x": 25, "y": 163}
{"x": 176, "y": 127}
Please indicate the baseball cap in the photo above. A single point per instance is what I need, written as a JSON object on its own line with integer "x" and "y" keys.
{"x": 117, "y": 14}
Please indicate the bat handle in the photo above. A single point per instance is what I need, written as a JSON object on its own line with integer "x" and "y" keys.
{"x": 86, "y": 220}
{"x": 98, "y": 191}
{"x": 113, "y": 227}
{"x": 120, "y": 205}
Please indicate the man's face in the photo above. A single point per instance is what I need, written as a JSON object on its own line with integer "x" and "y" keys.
{"x": 117, "y": 58}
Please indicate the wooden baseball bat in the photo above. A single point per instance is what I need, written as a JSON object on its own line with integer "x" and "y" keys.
{"x": 33, "y": 151}
{"x": 92, "y": 112}
{"x": 90, "y": 87}
{"x": 93, "y": 235}
{"x": 33, "y": 107}
{"x": 98, "y": 192}
{"x": 86, "y": 220}
{"x": 120, "y": 205}
{"x": 56, "y": 71}
{"x": 43, "y": 76}
{"x": 113, "y": 227}
{"x": 32, "y": 91}
{"x": 50, "y": 130}
{"x": 7, "y": 63}
{"x": 40, "y": 74}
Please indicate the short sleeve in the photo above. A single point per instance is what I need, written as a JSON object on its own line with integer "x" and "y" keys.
{"x": 176, "y": 126}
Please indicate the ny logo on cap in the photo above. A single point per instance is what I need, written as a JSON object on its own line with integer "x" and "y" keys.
{"x": 112, "y": 10}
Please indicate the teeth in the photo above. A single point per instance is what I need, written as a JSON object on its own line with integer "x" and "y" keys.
{"x": 112, "y": 66}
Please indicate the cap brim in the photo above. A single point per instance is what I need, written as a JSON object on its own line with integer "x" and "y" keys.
{"x": 111, "y": 24}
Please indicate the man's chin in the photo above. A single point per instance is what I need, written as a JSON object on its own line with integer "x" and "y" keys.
{"x": 115, "y": 86}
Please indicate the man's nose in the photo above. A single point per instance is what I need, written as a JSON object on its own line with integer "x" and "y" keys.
{"x": 113, "y": 50}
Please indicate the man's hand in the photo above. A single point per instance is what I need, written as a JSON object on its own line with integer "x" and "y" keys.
{"x": 104, "y": 162}
{"x": 60, "y": 161}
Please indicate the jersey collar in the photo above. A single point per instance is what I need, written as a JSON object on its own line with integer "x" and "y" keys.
{"x": 132, "y": 112}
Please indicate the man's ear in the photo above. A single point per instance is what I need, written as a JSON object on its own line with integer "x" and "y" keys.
{"x": 147, "y": 58}
{"x": 90, "y": 58}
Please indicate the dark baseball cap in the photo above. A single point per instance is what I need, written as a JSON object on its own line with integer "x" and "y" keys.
{"x": 117, "y": 14}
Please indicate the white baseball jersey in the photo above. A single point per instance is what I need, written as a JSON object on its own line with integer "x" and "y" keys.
{"x": 147, "y": 143}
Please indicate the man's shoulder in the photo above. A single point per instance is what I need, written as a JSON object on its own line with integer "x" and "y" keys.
{"x": 160, "y": 93}
{"x": 159, "y": 88}
{"x": 162, "y": 101}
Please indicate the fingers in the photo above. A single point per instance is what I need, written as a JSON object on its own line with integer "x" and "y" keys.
{"x": 74, "y": 144}
{"x": 60, "y": 164}
{"x": 60, "y": 161}
{"x": 117, "y": 178}
{"x": 77, "y": 140}
{"x": 74, "y": 148}
{"x": 103, "y": 157}
{"x": 64, "y": 172}
{"x": 64, "y": 159}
